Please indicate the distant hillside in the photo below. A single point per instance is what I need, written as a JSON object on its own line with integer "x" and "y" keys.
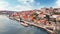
{"x": 6, "y": 12}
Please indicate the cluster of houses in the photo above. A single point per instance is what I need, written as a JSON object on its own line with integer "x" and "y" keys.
{"x": 42, "y": 16}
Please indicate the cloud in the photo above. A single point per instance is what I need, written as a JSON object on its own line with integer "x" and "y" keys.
{"x": 1, "y": 0}
{"x": 3, "y": 5}
{"x": 26, "y": 5}
{"x": 26, "y": 1}
{"x": 22, "y": 7}
{"x": 57, "y": 4}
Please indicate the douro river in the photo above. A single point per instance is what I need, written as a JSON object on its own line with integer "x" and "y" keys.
{"x": 8, "y": 26}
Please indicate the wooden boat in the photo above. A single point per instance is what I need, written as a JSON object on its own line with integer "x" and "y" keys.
{"x": 24, "y": 24}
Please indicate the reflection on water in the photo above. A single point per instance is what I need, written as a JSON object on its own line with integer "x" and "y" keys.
{"x": 8, "y": 26}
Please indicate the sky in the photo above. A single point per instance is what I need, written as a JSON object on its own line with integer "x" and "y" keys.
{"x": 22, "y": 5}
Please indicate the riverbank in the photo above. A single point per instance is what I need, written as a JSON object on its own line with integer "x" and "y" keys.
{"x": 43, "y": 27}
{"x": 8, "y": 26}
{"x": 36, "y": 25}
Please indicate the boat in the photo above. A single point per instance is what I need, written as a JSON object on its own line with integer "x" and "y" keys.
{"x": 18, "y": 19}
{"x": 24, "y": 24}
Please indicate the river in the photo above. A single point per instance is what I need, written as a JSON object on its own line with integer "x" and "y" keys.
{"x": 8, "y": 26}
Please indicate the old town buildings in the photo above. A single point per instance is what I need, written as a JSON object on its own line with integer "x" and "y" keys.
{"x": 29, "y": 14}
{"x": 43, "y": 16}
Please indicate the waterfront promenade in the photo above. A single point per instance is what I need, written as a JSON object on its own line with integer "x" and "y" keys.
{"x": 38, "y": 25}
{"x": 46, "y": 27}
{"x": 41, "y": 26}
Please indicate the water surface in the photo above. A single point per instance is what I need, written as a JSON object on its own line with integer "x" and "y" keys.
{"x": 8, "y": 26}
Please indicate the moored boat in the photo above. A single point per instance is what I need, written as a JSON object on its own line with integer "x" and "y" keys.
{"x": 24, "y": 24}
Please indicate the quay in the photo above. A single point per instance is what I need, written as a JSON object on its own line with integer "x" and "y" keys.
{"x": 43, "y": 27}
{"x": 36, "y": 25}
